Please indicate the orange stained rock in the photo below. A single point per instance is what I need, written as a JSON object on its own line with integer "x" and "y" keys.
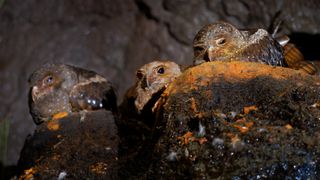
{"x": 55, "y": 157}
{"x": 193, "y": 105}
{"x": 242, "y": 125}
{"x": 241, "y": 120}
{"x": 200, "y": 115}
{"x": 60, "y": 115}
{"x": 242, "y": 129}
{"x": 99, "y": 168}
{"x": 29, "y": 171}
{"x": 248, "y": 109}
{"x": 230, "y": 135}
{"x": 288, "y": 126}
{"x": 186, "y": 138}
{"x": 195, "y": 110}
{"x": 202, "y": 140}
{"x": 235, "y": 139}
{"x": 316, "y": 105}
{"x": 53, "y": 125}
{"x": 28, "y": 174}
{"x": 234, "y": 71}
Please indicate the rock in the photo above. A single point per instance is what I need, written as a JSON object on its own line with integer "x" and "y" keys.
{"x": 238, "y": 120}
{"x": 71, "y": 148}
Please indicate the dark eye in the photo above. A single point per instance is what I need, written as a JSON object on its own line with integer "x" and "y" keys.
{"x": 139, "y": 75}
{"x": 221, "y": 41}
{"x": 161, "y": 70}
{"x": 48, "y": 80}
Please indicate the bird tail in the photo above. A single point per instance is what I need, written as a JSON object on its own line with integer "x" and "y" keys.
{"x": 295, "y": 59}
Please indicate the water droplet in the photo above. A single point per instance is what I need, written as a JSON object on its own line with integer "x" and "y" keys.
{"x": 172, "y": 156}
{"x": 217, "y": 141}
{"x": 186, "y": 152}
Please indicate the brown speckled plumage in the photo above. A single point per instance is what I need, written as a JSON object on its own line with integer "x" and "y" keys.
{"x": 222, "y": 41}
{"x": 152, "y": 78}
{"x": 56, "y": 88}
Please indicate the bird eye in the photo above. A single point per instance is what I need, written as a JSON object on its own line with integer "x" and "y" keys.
{"x": 221, "y": 41}
{"x": 139, "y": 75}
{"x": 48, "y": 80}
{"x": 161, "y": 70}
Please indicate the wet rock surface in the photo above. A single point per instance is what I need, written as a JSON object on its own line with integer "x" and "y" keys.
{"x": 78, "y": 149}
{"x": 115, "y": 38}
{"x": 239, "y": 120}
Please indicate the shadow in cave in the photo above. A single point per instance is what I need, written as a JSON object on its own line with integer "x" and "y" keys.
{"x": 308, "y": 44}
{"x": 7, "y": 172}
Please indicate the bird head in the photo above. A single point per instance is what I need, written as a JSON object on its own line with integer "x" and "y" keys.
{"x": 157, "y": 73}
{"x": 154, "y": 77}
{"x": 217, "y": 41}
{"x": 49, "y": 78}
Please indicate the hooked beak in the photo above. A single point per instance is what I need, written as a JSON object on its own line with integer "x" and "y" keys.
{"x": 199, "y": 61}
{"x": 206, "y": 56}
{"x": 150, "y": 80}
{"x": 35, "y": 93}
{"x": 210, "y": 53}
{"x": 145, "y": 83}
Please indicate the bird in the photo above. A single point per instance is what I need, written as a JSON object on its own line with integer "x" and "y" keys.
{"x": 137, "y": 117}
{"x": 151, "y": 80}
{"x": 60, "y": 88}
{"x": 221, "y": 41}
{"x": 292, "y": 55}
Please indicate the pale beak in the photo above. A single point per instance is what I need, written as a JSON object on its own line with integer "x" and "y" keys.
{"x": 147, "y": 82}
{"x": 35, "y": 93}
{"x": 198, "y": 61}
{"x": 144, "y": 83}
{"x": 151, "y": 80}
{"x": 211, "y": 53}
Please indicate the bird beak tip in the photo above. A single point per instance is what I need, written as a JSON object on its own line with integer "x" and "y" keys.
{"x": 34, "y": 93}
{"x": 209, "y": 53}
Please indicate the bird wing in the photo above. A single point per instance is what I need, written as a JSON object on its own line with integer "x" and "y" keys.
{"x": 264, "y": 49}
{"x": 92, "y": 94}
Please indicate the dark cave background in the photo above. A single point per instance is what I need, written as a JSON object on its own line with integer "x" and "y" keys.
{"x": 114, "y": 38}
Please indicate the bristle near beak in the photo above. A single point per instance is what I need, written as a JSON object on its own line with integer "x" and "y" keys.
{"x": 144, "y": 83}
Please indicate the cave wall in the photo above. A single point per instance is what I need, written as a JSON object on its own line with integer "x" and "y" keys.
{"x": 114, "y": 38}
